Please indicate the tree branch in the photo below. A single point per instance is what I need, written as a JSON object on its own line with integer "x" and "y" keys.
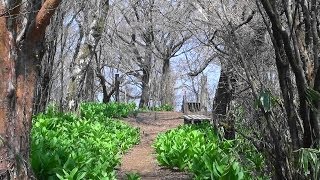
{"x": 37, "y": 29}
{"x": 246, "y": 21}
{"x": 203, "y": 66}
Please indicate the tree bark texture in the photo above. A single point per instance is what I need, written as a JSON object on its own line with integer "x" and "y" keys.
{"x": 204, "y": 96}
{"x": 221, "y": 104}
{"x": 20, "y": 52}
{"x": 82, "y": 84}
{"x": 146, "y": 69}
{"x": 166, "y": 84}
{"x": 145, "y": 96}
{"x": 300, "y": 51}
{"x": 42, "y": 94}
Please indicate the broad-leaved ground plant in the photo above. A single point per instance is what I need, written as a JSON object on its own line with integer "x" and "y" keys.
{"x": 199, "y": 150}
{"x": 65, "y": 146}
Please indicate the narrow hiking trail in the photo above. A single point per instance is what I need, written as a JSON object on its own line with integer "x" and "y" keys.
{"x": 141, "y": 158}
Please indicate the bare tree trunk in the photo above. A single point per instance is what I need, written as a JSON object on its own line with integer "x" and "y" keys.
{"x": 82, "y": 82}
{"x": 221, "y": 105}
{"x": 287, "y": 90}
{"x": 42, "y": 95}
{"x": 166, "y": 84}
{"x": 146, "y": 68}
{"x": 19, "y": 70}
{"x": 297, "y": 56}
{"x": 204, "y": 97}
{"x": 44, "y": 82}
{"x": 145, "y": 96}
{"x": 88, "y": 94}
{"x": 44, "y": 87}
{"x": 102, "y": 81}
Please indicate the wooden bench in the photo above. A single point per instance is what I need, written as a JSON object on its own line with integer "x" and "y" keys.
{"x": 195, "y": 119}
{"x": 191, "y": 107}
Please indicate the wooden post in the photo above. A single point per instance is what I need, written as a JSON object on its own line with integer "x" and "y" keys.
{"x": 117, "y": 84}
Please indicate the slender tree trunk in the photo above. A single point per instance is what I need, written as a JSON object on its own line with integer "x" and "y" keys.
{"x": 204, "y": 97}
{"x": 286, "y": 87}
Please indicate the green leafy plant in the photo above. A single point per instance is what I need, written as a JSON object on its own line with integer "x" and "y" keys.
{"x": 133, "y": 176}
{"x": 309, "y": 163}
{"x": 65, "y": 146}
{"x": 199, "y": 150}
{"x": 93, "y": 110}
{"x": 71, "y": 175}
{"x": 251, "y": 159}
{"x": 165, "y": 107}
{"x": 313, "y": 97}
{"x": 267, "y": 100}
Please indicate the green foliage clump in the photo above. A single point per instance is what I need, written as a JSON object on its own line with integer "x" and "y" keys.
{"x": 309, "y": 163}
{"x": 166, "y": 107}
{"x": 252, "y": 161}
{"x": 133, "y": 176}
{"x": 65, "y": 146}
{"x": 199, "y": 150}
{"x": 113, "y": 110}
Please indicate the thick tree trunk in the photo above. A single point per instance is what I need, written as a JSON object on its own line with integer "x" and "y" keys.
{"x": 45, "y": 80}
{"x": 221, "y": 105}
{"x": 166, "y": 84}
{"x": 81, "y": 86}
{"x": 88, "y": 93}
{"x": 145, "y": 94}
{"x": 16, "y": 111}
{"x": 146, "y": 70}
{"x": 17, "y": 95}
{"x": 43, "y": 91}
{"x": 18, "y": 71}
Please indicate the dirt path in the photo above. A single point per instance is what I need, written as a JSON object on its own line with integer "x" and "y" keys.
{"x": 141, "y": 159}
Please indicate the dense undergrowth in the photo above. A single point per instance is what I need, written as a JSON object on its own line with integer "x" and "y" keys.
{"x": 199, "y": 150}
{"x": 111, "y": 110}
{"x": 89, "y": 146}
{"x": 165, "y": 107}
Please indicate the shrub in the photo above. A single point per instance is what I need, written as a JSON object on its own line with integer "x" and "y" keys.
{"x": 165, "y": 107}
{"x": 133, "y": 176}
{"x": 93, "y": 110}
{"x": 65, "y": 146}
{"x": 198, "y": 149}
{"x": 309, "y": 163}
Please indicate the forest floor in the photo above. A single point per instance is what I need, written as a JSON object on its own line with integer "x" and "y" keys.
{"x": 141, "y": 158}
